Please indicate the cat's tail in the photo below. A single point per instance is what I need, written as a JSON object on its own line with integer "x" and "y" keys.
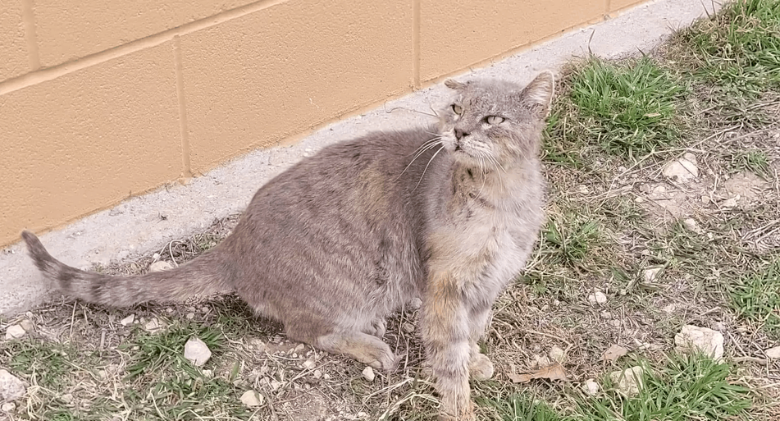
{"x": 201, "y": 277}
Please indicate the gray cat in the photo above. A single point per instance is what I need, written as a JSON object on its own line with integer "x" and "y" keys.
{"x": 338, "y": 242}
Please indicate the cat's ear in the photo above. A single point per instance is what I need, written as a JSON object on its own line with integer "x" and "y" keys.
{"x": 454, "y": 84}
{"x": 538, "y": 94}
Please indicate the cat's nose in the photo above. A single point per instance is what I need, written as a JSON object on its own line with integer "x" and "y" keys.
{"x": 459, "y": 134}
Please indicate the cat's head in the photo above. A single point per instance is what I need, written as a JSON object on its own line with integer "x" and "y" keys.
{"x": 492, "y": 123}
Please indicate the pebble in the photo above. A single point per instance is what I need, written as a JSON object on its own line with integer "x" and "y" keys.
{"x": 650, "y": 274}
{"x": 196, "y": 351}
{"x": 14, "y": 332}
{"x": 160, "y": 266}
{"x": 251, "y": 398}
{"x": 317, "y": 374}
{"x": 190, "y": 316}
{"x": 11, "y": 388}
{"x": 27, "y": 325}
{"x": 8, "y": 407}
{"x": 152, "y": 325}
{"x": 415, "y": 303}
{"x": 590, "y": 387}
{"x": 127, "y": 320}
{"x": 690, "y": 224}
{"x": 682, "y": 170}
{"x": 773, "y": 353}
{"x": 692, "y": 338}
{"x": 729, "y": 203}
{"x": 368, "y": 374}
{"x": 407, "y": 327}
{"x": 557, "y": 354}
{"x": 597, "y": 298}
{"x": 258, "y": 344}
{"x": 309, "y": 364}
{"x": 67, "y": 398}
{"x": 629, "y": 381}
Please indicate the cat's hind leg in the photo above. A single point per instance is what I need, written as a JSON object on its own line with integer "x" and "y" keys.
{"x": 365, "y": 348}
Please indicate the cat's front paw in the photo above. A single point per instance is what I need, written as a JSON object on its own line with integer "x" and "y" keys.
{"x": 480, "y": 367}
{"x": 463, "y": 414}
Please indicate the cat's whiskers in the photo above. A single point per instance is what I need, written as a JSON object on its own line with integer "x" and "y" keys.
{"x": 426, "y": 167}
{"x": 425, "y": 147}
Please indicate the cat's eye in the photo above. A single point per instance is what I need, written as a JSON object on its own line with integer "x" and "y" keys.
{"x": 494, "y": 119}
{"x": 457, "y": 109}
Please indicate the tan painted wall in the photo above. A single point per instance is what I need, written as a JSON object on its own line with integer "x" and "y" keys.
{"x": 101, "y": 102}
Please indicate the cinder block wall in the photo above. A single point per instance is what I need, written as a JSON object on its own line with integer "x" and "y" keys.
{"x": 103, "y": 100}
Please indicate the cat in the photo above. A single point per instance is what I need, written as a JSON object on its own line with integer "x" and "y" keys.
{"x": 338, "y": 242}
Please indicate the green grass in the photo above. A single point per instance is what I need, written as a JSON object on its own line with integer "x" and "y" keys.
{"x": 166, "y": 350}
{"x": 625, "y": 109}
{"x": 737, "y": 49}
{"x": 756, "y": 297}
{"x": 46, "y": 363}
{"x": 685, "y": 387}
{"x": 754, "y": 160}
{"x": 570, "y": 239}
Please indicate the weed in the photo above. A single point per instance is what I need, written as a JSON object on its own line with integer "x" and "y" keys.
{"x": 754, "y": 160}
{"x": 569, "y": 240}
{"x": 737, "y": 49}
{"x": 626, "y": 109}
{"x": 166, "y": 349}
{"x": 756, "y": 297}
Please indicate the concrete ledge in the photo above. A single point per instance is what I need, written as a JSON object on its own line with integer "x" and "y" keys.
{"x": 135, "y": 228}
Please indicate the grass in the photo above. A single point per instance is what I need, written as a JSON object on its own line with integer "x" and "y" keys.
{"x": 754, "y": 160}
{"x": 738, "y": 50}
{"x": 625, "y": 109}
{"x": 756, "y": 297}
{"x": 683, "y": 388}
{"x": 612, "y": 215}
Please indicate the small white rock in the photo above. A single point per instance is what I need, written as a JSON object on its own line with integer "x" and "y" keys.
{"x": 196, "y": 351}
{"x": 597, "y": 298}
{"x": 208, "y": 373}
{"x": 251, "y": 398}
{"x": 773, "y": 353}
{"x": 682, "y": 170}
{"x": 415, "y": 303}
{"x": 590, "y": 387}
{"x": 11, "y": 388}
{"x": 14, "y": 332}
{"x": 706, "y": 340}
{"x": 8, "y": 407}
{"x": 156, "y": 256}
{"x": 27, "y": 325}
{"x": 317, "y": 374}
{"x": 67, "y": 398}
{"x": 729, "y": 203}
{"x": 160, "y": 266}
{"x": 368, "y": 374}
{"x": 153, "y": 325}
{"x": 629, "y": 381}
{"x": 691, "y": 224}
{"x": 407, "y": 327}
{"x": 650, "y": 274}
{"x": 557, "y": 354}
{"x": 127, "y": 320}
{"x": 309, "y": 364}
{"x": 190, "y": 316}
